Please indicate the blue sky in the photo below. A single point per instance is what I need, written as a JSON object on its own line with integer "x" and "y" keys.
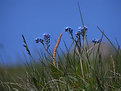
{"x": 35, "y": 17}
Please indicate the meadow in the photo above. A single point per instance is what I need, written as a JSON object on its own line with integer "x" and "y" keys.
{"x": 84, "y": 68}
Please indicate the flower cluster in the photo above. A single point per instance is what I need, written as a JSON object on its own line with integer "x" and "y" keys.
{"x": 69, "y": 29}
{"x": 95, "y": 41}
{"x": 80, "y": 34}
{"x": 45, "y": 40}
{"x": 81, "y": 31}
{"x": 39, "y": 40}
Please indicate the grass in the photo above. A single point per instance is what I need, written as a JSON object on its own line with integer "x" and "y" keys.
{"x": 75, "y": 70}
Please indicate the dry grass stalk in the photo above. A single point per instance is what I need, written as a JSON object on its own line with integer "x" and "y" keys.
{"x": 25, "y": 45}
{"x": 55, "y": 50}
{"x": 112, "y": 60}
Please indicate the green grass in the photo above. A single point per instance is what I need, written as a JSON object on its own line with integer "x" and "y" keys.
{"x": 97, "y": 73}
{"x": 100, "y": 74}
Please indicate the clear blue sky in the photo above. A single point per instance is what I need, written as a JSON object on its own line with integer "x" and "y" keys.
{"x": 35, "y": 17}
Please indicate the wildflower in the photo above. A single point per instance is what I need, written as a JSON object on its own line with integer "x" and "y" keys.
{"x": 78, "y": 33}
{"x": 46, "y": 38}
{"x": 82, "y": 30}
{"x": 69, "y": 29}
{"x": 96, "y": 41}
{"x": 39, "y": 40}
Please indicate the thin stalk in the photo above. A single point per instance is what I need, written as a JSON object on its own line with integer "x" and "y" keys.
{"x": 47, "y": 51}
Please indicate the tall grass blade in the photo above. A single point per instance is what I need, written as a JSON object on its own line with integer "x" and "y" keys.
{"x": 80, "y": 15}
{"x": 107, "y": 38}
